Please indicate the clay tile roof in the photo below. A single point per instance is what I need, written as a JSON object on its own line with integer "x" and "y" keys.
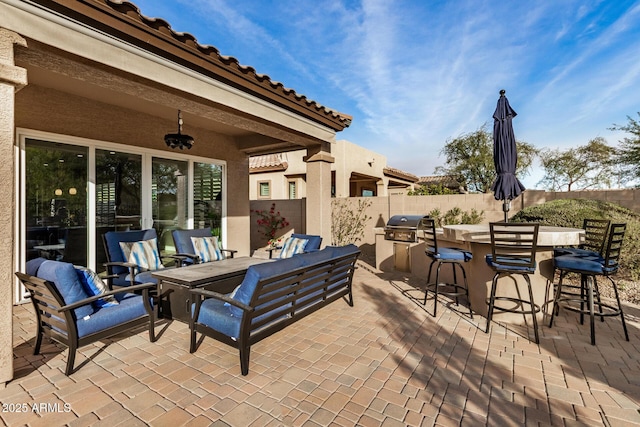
{"x": 397, "y": 173}
{"x": 124, "y": 20}
{"x": 268, "y": 163}
{"x": 445, "y": 180}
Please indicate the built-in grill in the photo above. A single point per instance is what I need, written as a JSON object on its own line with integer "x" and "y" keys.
{"x": 404, "y": 228}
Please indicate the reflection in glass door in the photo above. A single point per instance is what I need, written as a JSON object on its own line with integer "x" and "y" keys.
{"x": 55, "y": 201}
{"x": 118, "y": 196}
{"x": 169, "y": 199}
{"x": 207, "y": 197}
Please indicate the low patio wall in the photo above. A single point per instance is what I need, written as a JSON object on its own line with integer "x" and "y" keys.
{"x": 382, "y": 208}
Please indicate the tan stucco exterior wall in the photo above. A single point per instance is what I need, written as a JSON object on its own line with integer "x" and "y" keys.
{"x": 12, "y": 79}
{"x": 349, "y": 158}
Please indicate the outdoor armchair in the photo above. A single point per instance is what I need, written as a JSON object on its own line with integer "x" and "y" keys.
{"x": 69, "y": 312}
{"x": 292, "y": 246}
{"x": 133, "y": 256}
{"x": 198, "y": 245}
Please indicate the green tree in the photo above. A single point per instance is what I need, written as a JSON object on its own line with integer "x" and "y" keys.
{"x": 588, "y": 166}
{"x": 629, "y": 153}
{"x": 470, "y": 159}
{"x": 431, "y": 190}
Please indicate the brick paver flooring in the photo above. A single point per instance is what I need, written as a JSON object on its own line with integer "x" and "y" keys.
{"x": 384, "y": 362}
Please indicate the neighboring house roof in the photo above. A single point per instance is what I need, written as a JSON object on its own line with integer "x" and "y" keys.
{"x": 444, "y": 180}
{"x": 398, "y": 174}
{"x": 122, "y": 19}
{"x": 268, "y": 163}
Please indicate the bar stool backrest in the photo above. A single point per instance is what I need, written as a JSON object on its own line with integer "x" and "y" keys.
{"x": 595, "y": 234}
{"x": 514, "y": 245}
{"x": 430, "y": 240}
{"x": 614, "y": 246}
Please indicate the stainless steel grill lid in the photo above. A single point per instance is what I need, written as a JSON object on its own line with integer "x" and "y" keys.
{"x": 403, "y": 228}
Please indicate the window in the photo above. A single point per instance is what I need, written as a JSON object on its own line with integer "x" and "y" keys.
{"x": 292, "y": 189}
{"x": 264, "y": 190}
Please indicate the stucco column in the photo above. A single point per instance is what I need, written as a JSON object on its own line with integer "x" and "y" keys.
{"x": 319, "y": 191}
{"x": 12, "y": 79}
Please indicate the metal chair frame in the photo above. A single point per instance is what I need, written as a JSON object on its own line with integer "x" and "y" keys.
{"x": 513, "y": 251}
{"x": 589, "y": 286}
{"x": 431, "y": 242}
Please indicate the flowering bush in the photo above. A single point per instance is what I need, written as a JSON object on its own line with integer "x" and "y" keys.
{"x": 269, "y": 222}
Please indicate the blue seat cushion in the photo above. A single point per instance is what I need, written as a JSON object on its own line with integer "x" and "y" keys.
{"x": 261, "y": 271}
{"x": 113, "y": 239}
{"x": 182, "y": 238}
{"x": 583, "y": 264}
{"x": 214, "y": 314}
{"x": 313, "y": 243}
{"x": 449, "y": 254}
{"x": 500, "y": 264}
{"x": 338, "y": 251}
{"x": 33, "y": 265}
{"x": 310, "y": 258}
{"x": 65, "y": 278}
{"x": 130, "y": 306}
{"x": 144, "y": 277}
{"x": 575, "y": 252}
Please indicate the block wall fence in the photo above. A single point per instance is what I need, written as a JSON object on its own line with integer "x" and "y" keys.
{"x": 382, "y": 208}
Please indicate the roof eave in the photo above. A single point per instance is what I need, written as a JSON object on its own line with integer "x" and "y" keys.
{"x": 123, "y": 20}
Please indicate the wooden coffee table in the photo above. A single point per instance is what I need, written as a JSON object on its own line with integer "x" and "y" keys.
{"x": 219, "y": 276}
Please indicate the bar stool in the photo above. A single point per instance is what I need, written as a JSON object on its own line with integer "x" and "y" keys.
{"x": 596, "y": 231}
{"x": 513, "y": 252}
{"x": 589, "y": 268}
{"x": 440, "y": 255}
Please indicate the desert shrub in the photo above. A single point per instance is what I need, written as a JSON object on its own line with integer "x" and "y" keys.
{"x": 348, "y": 224}
{"x": 456, "y": 216}
{"x": 572, "y": 212}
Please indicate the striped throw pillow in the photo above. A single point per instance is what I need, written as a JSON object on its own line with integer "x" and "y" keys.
{"x": 207, "y": 248}
{"x": 143, "y": 253}
{"x": 292, "y": 246}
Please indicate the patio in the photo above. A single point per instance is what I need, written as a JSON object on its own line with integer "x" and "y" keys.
{"x": 386, "y": 361}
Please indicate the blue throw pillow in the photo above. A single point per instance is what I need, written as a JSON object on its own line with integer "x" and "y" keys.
{"x": 94, "y": 285}
{"x": 207, "y": 248}
{"x": 292, "y": 246}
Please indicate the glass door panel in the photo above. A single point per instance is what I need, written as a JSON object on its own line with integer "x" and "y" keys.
{"x": 207, "y": 197}
{"x": 118, "y": 196}
{"x": 56, "y": 201}
{"x": 169, "y": 199}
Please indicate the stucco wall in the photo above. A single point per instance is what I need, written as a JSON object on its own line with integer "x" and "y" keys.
{"x": 382, "y": 208}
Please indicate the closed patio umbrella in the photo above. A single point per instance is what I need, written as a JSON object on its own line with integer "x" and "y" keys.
{"x": 507, "y": 186}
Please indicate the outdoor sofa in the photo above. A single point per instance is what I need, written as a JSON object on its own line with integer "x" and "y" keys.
{"x": 273, "y": 296}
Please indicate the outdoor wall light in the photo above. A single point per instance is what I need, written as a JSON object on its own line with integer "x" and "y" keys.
{"x": 73, "y": 191}
{"x": 178, "y": 140}
{"x": 58, "y": 192}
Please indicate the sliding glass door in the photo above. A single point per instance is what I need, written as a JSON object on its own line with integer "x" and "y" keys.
{"x": 118, "y": 196}
{"x": 169, "y": 198}
{"x": 55, "y": 192}
{"x": 74, "y": 192}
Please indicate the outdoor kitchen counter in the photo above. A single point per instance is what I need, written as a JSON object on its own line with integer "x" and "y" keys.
{"x": 476, "y": 238}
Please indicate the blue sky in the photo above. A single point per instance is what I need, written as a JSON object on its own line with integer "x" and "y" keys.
{"x": 416, "y": 73}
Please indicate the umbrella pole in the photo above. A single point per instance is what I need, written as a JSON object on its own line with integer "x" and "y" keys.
{"x": 506, "y": 205}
